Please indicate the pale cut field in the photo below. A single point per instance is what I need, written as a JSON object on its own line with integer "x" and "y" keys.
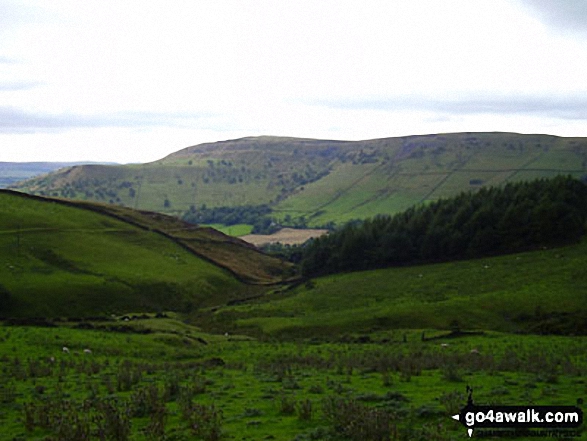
{"x": 286, "y": 236}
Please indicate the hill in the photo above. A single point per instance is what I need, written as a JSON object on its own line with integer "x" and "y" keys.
{"x": 68, "y": 259}
{"x": 12, "y": 172}
{"x": 542, "y": 291}
{"x": 242, "y": 259}
{"x": 314, "y": 182}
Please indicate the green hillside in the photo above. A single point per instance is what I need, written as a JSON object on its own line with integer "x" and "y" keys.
{"x": 321, "y": 180}
{"x": 12, "y": 172}
{"x": 59, "y": 259}
{"x": 538, "y": 291}
{"x": 241, "y": 258}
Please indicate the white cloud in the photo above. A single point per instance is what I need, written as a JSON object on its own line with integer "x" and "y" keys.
{"x": 567, "y": 16}
{"x": 134, "y": 80}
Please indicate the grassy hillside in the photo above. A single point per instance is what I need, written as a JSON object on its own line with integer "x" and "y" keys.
{"x": 61, "y": 259}
{"x": 393, "y": 174}
{"x": 321, "y": 180}
{"x": 240, "y": 258}
{"x": 538, "y": 291}
{"x": 12, "y": 172}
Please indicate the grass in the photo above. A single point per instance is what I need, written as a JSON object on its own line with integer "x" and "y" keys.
{"x": 236, "y": 230}
{"x": 238, "y": 257}
{"x": 352, "y": 356}
{"x": 543, "y": 289}
{"x": 169, "y": 385}
{"x": 355, "y": 356}
{"x": 59, "y": 259}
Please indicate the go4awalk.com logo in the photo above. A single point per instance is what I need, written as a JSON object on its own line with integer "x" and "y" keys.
{"x": 522, "y": 420}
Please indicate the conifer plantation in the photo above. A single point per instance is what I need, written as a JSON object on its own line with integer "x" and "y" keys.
{"x": 520, "y": 216}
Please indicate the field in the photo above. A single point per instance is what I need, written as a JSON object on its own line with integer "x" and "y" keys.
{"x": 172, "y": 381}
{"x": 429, "y": 168}
{"x": 285, "y": 236}
{"x": 237, "y": 230}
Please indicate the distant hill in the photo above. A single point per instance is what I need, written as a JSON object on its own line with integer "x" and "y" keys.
{"x": 13, "y": 172}
{"x": 321, "y": 181}
{"x": 61, "y": 258}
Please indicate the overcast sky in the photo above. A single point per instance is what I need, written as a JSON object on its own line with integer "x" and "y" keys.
{"x": 132, "y": 81}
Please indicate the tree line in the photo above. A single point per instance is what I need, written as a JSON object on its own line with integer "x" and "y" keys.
{"x": 259, "y": 216}
{"x": 517, "y": 217}
{"x": 255, "y": 215}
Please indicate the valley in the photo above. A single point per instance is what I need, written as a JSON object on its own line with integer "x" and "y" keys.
{"x": 293, "y": 221}
{"x": 121, "y": 321}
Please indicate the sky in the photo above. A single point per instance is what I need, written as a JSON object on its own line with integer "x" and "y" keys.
{"x": 133, "y": 81}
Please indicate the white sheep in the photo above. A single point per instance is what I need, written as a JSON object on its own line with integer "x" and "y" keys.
{"x": 65, "y": 350}
{"x": 87, "y": 351}
{"x": 475, "y": 351}
{"x": 444, "y": 345}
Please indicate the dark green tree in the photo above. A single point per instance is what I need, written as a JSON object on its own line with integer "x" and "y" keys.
{"x": 5, "y": 300}
{"x": 517, "y": 217}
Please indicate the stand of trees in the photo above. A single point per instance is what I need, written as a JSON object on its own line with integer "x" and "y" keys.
{"x": 517, "y": 217}
{"x": 255, "y": 215}
{"x": 245, "y": 214}
{"x": 259, "y": 216}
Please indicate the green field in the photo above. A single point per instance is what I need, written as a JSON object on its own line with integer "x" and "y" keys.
{"x": 179, "y": 383}
{"x": 322, "y": 181}
{"x": 236, "y": 230}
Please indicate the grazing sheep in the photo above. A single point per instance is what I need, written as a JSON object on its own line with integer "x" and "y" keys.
{"x": 65, "y": 350}
{"x": 226, "y": 334}
{"x": 444, "y": 345}
{"x": 51, "y": 359}
{"x": 87, "y": 351}
{"x": 475, "y": 351}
